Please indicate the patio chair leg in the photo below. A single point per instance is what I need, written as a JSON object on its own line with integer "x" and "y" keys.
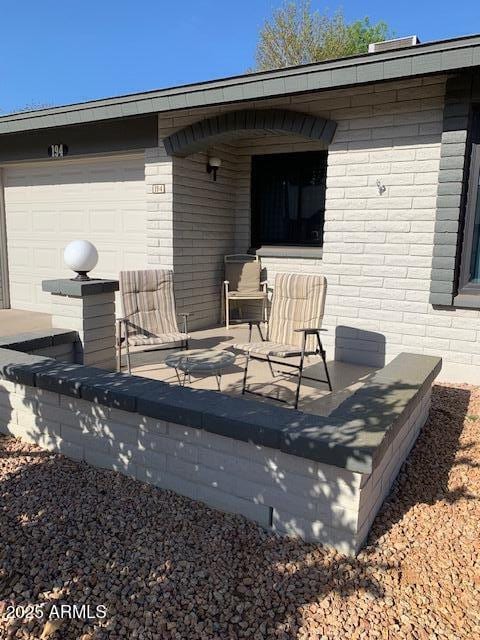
{"x": 127, "y": 351}
{"x": 119, "y": 353}
{"x": 245, "y": 373}
{"x": 323, "y": 355}
{"x": 300, "y": 371}
{"x": 271, "y": 368}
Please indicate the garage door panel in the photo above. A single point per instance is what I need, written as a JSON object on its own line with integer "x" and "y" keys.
{"x": 104, "y": 220}
{"x": 20, "y": 255}
{"x": 20, "y": 221}
{"x": 130, "y": 224}
{"x": 44, "y": 222}
{"x": 25, "y": 296}
{"x": 71, "y": 221}
{"x": 45, "y": 259}
{"x": 110, "y": 260}
{"x": 132, "y": 259}
{"x": 49, "y": 205}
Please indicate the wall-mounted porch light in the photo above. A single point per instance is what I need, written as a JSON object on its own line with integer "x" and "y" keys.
{"x": 213, "y": 163}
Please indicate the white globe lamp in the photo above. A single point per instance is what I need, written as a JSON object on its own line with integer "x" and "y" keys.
{"x": 80, "y": 256}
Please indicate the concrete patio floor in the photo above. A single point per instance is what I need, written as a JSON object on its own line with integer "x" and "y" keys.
{"x": 314, "y": 397}
{"x": 14, "y": 321}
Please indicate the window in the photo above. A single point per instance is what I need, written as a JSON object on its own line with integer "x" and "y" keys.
{"x": 470, "y": 271}
{"x": 288, "y": 198}
{"x": 475, "y": 257}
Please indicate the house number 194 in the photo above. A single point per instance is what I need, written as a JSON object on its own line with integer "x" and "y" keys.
{"x": 57, "y": 150}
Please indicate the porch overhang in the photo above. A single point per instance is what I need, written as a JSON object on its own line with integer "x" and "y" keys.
{"x": 230, "y": 125}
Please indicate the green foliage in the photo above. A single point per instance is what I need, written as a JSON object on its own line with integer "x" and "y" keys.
{"x": 297, "y": 35}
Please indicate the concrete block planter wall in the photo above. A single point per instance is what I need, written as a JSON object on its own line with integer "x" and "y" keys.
{"x": 59, "y": 344}
{"x": 323, "y": 479}
{"x": 87, "y": 307}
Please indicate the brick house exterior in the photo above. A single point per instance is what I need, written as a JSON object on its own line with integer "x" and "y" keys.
{"x": 396, "y": 190}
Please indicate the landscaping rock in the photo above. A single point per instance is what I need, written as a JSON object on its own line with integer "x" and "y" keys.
{"x": 166, "y": 567}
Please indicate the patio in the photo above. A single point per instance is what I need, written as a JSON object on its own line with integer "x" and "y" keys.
{"x": 315, "y": 397}
{"x": 321, "y": 472}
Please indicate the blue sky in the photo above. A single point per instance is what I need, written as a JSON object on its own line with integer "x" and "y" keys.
{"x": 56, "y": 52}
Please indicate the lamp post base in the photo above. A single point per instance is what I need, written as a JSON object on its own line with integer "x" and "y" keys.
{"x": 82, "y": 276}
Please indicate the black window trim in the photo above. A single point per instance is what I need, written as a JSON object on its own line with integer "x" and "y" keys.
{"x": 465, "y": 286}
{"x": 255, "y": 240}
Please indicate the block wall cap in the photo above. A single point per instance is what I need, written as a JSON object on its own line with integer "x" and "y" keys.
{"x": 41, "y": 339}
{"x": 79, "y": 288}
{"x": 354, "y": 436}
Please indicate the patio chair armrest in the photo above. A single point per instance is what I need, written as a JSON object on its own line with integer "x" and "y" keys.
{"x": 185, "y": 315}
{"x": 309, "y": 331}
{"x": 119, "y": 323}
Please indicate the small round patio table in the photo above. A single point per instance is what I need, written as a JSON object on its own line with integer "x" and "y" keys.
{"x": 200, "y": 361}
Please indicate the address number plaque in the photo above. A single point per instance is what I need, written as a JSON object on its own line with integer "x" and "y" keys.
{"x": 57, "y": 150}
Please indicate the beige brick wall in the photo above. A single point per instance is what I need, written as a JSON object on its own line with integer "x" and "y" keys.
{"x": 289, "y": 494}
{"x": 159, "y": 170}
{"x": 378, "y": 247}
{"x": 197, "y": 224}
{"x": 93, "y": 318}
{"x": 203, "y": 232}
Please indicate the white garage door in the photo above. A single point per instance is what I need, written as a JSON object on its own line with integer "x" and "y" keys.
{"x": 49, "y": 204}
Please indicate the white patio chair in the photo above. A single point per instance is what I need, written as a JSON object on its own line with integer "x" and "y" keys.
{"x": 293, "y": 328}
{"x": 243, "y": 283}
{"x": 149, "y": 318}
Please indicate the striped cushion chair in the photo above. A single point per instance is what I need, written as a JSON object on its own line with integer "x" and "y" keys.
{"x": 293, "y": 328}
{"x": 149, "y": 318}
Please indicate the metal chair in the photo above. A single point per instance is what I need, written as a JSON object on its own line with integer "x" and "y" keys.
{"x": 293, "y": 328}
{"x": 243, "y": 283}
{"x": 149, "y": 313}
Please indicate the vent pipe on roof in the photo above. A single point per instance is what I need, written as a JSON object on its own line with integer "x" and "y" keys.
{"x": 392, "y": 45}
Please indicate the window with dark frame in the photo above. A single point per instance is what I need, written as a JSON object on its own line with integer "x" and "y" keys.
{"x": 470, "y": 269}
{"x": 288, "y": 198}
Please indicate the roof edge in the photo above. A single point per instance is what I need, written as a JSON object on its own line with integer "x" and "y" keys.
{"x": 421, "y": 59}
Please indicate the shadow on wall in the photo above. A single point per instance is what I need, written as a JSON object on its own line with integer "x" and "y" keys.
{"x": 125, "y": 534}
{"x": 424, "y": 477}
{"x": 359, "y": 347}
{"x": 78, "y": 534}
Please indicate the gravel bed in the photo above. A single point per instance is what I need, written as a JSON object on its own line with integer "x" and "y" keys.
{"x": 167, "y": 567}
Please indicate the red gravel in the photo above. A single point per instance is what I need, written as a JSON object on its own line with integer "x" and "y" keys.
{"x": 166, "y": 567}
